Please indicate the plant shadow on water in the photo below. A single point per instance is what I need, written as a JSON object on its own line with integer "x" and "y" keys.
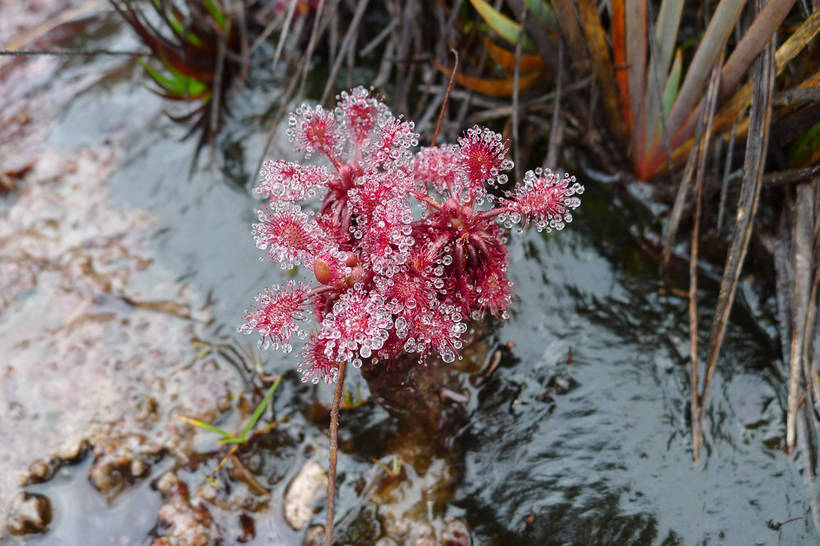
{"x": 591, "y": 448}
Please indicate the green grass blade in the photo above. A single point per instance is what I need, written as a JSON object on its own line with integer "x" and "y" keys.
{"x": 193, "y": 39}
{"x": 260, "y": 409}
{"x": 216, "y": 13}
{"x": 179, "y": 29}
{"x": 666, "y": 33}
{"x": 176, "y": 25}
{"x": 191, "y": 87}
{"x": 172, "y": 86}
{"x": 501, "y": 24}
{"x": 205, "y": 426}
{"x": 670, "y": 91}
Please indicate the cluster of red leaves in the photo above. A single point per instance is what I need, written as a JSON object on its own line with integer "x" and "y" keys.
{"x": 406, "y": 246}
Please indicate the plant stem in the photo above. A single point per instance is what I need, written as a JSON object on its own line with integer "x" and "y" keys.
{"x": 703, "y": 149}
{"x": 334, "y": 448}
{"x": 754, "y": 163}
{"x": 446, "y": 96}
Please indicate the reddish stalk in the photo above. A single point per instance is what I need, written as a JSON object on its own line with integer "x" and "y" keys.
{"x": 489, "y": 214}
{"x": 334, "y": 450}
{"x": 446, "y": 97}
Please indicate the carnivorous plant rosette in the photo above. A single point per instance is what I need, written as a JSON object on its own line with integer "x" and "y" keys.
{"x": 406, "y": 247}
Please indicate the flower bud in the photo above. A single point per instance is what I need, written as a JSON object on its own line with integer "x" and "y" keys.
{"x": 357, "y": 275}
{"x": 322, "y": 271}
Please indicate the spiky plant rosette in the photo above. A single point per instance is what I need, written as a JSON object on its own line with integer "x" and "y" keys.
{"x": 406, "y": 247}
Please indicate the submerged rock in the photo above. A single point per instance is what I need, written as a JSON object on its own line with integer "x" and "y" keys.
{"x": 39, "y": 471}
{"x": 102, "y": 342}
{"x": 120, "y": 463}
{"x": 315, "y": 536}
{"x": 455, "y": 533}
{"x": 303, "y": 492}
{"x": 184, "y": 522}
{"x": 404, "y": 509}
{"x": 29, "y": 514}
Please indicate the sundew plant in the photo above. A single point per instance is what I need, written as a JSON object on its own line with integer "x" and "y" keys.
{"x": 408, "y": 244}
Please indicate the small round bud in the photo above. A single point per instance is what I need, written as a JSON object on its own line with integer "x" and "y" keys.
{"x": 357, "y": 275}
{"x": 322, "y": 271}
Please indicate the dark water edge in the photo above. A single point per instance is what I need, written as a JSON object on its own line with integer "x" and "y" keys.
{"x": 592, "y": 452}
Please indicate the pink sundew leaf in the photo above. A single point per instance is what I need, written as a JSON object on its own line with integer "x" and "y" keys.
{"x": 286, "y": 181}
{"x": 276, "y": 313}
{"x": 387, "y": 240}
{"x": 438, "y": 166}
{"x": 389, "y": 147}
{"x": 314, "y": 365}
{"x": 313, "y": 129}
{"x": 546, "y": 198}
{"x": 372, "y": 190}
{"x": 329, "y": 227}
{"x": 430, "y": 243}
{"x": 493, "y": 292}
{"x": 356, "y": 327}
{"x": 476, "y": 275}
{"x": 289, "y": 235}
{"x": 360, "y": 112}
{"x": 404, "y": 292}
{"x": 482, "y": 155}
{"x": 434, "y": 330}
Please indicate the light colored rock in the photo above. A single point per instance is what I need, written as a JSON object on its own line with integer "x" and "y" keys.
{"x": 302, "y": 494}
{"x": 315, "y": 536}
{"x": 29, "y": 514}
{"x": 456, "y": 533}
{"x": 184, "y": 522}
